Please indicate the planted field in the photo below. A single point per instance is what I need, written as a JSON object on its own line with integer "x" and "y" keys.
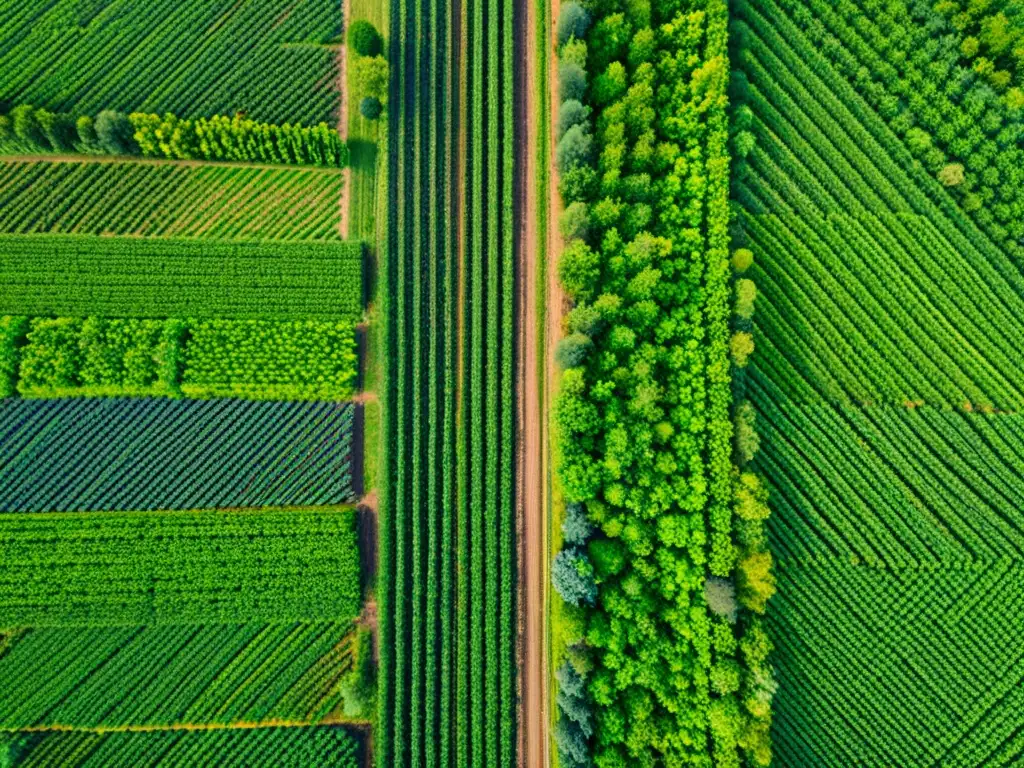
{"x": 266, "y": 58}
{"x": 164, "y": 277}
{"x": 447, "y": 595}
{"x": 880, "y": 202}
{"x": 170, "y": 675}
{"x": 933, "y": 654}
{"x": 257, "y": 359}
{"x": 169, "y": 200}
{"x": 266, "y": 360}
{"x": 252, "y": 748}
{"x": 86, "y": 454}
{"x": 126, "y": 568}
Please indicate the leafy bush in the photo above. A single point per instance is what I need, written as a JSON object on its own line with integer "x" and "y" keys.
{"x": 115, "y": 133}
{"x": 364, "y": 38}
{"x": 572, "y": 82}
{"x": 370, "y": 107}
{"x": 576, "y": 529}
{"x": 573, "y": 577}
{"x": 573, "y": 21}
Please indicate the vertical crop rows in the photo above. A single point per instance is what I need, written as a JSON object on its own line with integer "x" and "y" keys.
{"x": 448, "y": 547}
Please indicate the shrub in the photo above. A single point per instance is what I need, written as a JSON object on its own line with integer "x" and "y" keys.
{"x": 358, "y": 687}
{"x": 574, "y": 51}
{"x": 574, "y": 149}
{"x": 372, "y": 73}
{"x": 572, "y": 81}
{"x": 58, "y": 128}
{"x": 741, "y": 347}
{"x": 115, "y": 133}
{"x": 571, "y": 744}
{"x": 742, "y": 259}
{"x": 6, "y": 128}
{"x": 746, "y": 294}
{"x": 745, "y": 425}
{"x": 579, "y": 269}
{"x": 370, "y": 107}
{"x": 364, "y": 38}
{"x": 86, "y": 130}
{"x": 756, "y": 580}
{"x": 574, "y": 222}
{"x": 576, "y": 528}
{"x": 573, "y": 577}
{"x": 572, "y": 113}
{"x": 720, "y": 595}
{"x": 573, "y": 21}
{"x": 572, "y": 350}
{"x": 26, "y": 125}
{"x": 578, "y": 184}
{"x": 952, "y": 174}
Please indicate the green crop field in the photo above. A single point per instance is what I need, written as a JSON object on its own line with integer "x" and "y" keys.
{"x": 166, "y": 200}
{"x": 267, "y": 58}
{"x": 124, "y": 568}
{"x": 577, "y": 384}
{"x": 881, "y": 202}
{"x": 448, "y": 546}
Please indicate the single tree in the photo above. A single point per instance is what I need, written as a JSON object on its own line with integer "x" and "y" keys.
{"x": 364, "y": 38}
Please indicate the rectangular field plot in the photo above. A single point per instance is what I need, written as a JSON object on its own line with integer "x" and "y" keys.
{"x": 130, "y": 277}
{"x": 897, "y": 486}
{"x": 193, "y": 567}
{"x": 283, "y": 747}
{"x": 906, "y": 668}
{"x": 167, "y": 200}
{"x": 147, "y": 454}
{"x": 266, "y": 58}
{"x": 170, "y": 675}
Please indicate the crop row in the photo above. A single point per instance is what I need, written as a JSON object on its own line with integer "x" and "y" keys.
{"x": 258, "y": 359}
{"x": 448, "y": 676}
{"x": 934, "y": 654}
{"x": 163, "y": 200}
{"x": 176, "y": 674}
{"x": 76, "y": 275}
{"x": 190, "y": 567}
{"x": 278, "y": 747}
{"x": 94, "y": 454}
{"x": 195, "y": 59}
{"x": 893, "y": 486}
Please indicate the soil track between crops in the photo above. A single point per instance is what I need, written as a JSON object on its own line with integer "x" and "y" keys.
{"x": 532, "y": 521}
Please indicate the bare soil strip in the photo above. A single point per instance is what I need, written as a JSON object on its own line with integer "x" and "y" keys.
{"x": 530, "y": 477}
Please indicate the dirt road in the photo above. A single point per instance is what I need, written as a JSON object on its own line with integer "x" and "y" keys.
{"x": 533, "y": 702}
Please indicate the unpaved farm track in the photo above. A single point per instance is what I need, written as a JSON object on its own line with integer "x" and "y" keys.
{"x": 530, "y": 476}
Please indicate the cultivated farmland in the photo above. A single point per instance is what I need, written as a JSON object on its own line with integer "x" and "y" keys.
{"x": 184, "y": 581}
{"x": 880, "y": 203}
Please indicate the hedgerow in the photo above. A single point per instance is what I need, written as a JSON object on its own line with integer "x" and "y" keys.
{"x": 216, "y": 138}
{"x": 256, "y": 359}
{"x": 644, "y": 405}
